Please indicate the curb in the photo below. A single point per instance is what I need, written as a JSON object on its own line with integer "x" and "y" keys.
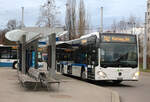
{"x": 115, "y": 97}
{"x": 145, "y": 73}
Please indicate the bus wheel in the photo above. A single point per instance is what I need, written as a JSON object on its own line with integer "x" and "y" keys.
{"x": 83, "y": 74}
{"x": 116, "y": 82}
{"x": 15, "y": 64}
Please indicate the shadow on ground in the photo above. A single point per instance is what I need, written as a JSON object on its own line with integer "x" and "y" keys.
{"x": 100, "y": 83}
{"x": 33, "y": 87}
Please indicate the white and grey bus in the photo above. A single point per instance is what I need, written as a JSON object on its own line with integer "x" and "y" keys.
{"x": 106, "y": 56}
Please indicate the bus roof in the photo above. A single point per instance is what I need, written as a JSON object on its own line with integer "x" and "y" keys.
{"x": 91, "y": 34}
{"x": 125, "y": 34}
{"x": 86, "y": 39}
{"x": 77, "y": 42}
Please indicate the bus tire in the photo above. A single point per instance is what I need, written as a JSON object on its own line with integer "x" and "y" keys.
{"x": 15, "y": 65}
{"x": 83, "y": 74}
{"x": 69, "y": 70}
{"x": 117, "y": 82}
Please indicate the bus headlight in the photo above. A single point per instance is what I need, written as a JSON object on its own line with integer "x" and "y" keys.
{"x": 136, "y": 75}
{"x": 102, "y": 74}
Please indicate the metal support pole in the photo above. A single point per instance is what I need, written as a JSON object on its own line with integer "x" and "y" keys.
{"x": 18, "y": 58}
{"x": 36, "y": 54}
{"x": 101, "y": 28}
{"x": 145, "y": 45}
{"x": 52, "y": 43}
{"x": 23, "y": 54}
{"x": 133, "y": 29}
{"x": 22, "y": 23}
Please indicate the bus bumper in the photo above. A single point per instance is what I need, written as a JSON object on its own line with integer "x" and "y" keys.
{"x": 132, "y": 75}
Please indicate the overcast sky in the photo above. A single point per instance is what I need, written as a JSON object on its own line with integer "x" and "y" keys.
{"x": 113, "y": 9}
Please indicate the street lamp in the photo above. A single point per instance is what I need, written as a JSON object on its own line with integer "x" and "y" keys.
{"x": 22, "y": 21}
{"x": 134, "y": 27}
{"x": 101, "y": 28}
{"x": 145, "y": 45}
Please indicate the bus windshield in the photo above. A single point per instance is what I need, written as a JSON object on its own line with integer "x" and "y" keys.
{"x": 118, "y": 55}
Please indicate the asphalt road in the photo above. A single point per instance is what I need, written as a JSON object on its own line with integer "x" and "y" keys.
{"x": 131, "y": 91}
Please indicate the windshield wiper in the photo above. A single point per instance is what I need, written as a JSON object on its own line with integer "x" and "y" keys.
{"x": 121, "y": 57}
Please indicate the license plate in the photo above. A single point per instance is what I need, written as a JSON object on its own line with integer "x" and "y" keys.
{"x": 119, "y": 78}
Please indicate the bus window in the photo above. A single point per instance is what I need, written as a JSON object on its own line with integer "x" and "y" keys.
{"x": 14, "y": 54}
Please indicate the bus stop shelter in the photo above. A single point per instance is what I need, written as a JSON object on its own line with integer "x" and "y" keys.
{"x": 28, "y": 67}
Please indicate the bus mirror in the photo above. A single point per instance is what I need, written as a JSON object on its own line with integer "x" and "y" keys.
{"x": 98, "y": 42}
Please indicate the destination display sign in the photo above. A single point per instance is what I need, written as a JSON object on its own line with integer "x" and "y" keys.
{"x": 118, "y": 38}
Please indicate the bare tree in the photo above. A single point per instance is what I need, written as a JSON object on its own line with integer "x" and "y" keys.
{"x": 76, "y": 27}
{"x": 68, "y": 18}
{"x": 48, "y": 14}
{"x": 71, "y": 18}
{"x": 122, "y": 25}
{"x": 114, "y": 26}
{"x": 126, "y": 24}
{"x": 12, "y": 24}
{"x": 74, "y": 19}
{"x": 87, "y": 23}
{"x": 82, "y": 19}
{"x": 133, "y": 21}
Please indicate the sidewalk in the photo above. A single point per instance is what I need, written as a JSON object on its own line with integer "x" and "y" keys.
{"x": 70, "y": 90}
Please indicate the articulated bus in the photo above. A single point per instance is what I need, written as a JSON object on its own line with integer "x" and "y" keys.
{"x": 106, "y": 56}
{"x": 8, "y": 56}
